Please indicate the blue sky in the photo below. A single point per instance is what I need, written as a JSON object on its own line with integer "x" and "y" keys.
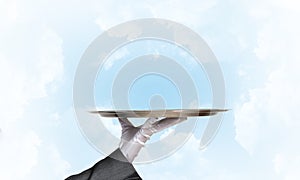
{"x": 256, "y": 43}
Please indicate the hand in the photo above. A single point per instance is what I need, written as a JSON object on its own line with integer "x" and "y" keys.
{"x": 134, "y": 138}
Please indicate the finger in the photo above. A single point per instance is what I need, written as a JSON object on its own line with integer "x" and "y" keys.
{"x": 181, "y": 119}
{"x": 128, "y": 130}
{"x": 125, "y": 123}
{"x": 171, "y": 121}
{"x": 168, "y": 122}
{"x": 124, "y": 120}
{"x": 150, "y": 122}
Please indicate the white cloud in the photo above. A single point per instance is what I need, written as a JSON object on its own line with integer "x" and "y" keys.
{"x": 31, "y": 62}
{"x": 118, "y": 55}
{"x": 49, "y": 63}
{"x": 287, "y": 166}
{"x": 50, "y": 164}
{"x": 180, "y": 11}
{"x": 278, "y": 98}
{"x": 189, "y": 163}
{"x": 18, "y": 153}
{"x": 179, "y": 161}
{"x": 60, "y": 166}
{"x": 12, "y": 99}
{"x": 266, "y": 121}
{"x": 293, "y": 5}
{"x": 187, "y": 12}
{"x": 8, "y": 13}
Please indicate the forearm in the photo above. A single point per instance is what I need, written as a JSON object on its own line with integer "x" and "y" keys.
{"x": 115, "y": 166}
{"x": 130, "y": 149}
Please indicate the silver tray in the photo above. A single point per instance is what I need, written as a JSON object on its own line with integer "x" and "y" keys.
{"x": 158, "y": 113}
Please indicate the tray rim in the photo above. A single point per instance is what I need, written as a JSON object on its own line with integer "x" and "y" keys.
{"x": 159, "y": 113}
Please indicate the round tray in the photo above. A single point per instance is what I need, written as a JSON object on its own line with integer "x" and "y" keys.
{"x": 158, "y": 113}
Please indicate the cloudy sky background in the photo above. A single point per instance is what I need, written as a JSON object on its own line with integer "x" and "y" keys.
{"x": 256, "y": 42}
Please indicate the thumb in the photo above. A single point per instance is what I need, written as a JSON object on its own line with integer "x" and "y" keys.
{"x": 125, "y": 123}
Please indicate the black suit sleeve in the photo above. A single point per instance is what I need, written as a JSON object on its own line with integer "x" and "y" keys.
{"x": 113, "y": 167}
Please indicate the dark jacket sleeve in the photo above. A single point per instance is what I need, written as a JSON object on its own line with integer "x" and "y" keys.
{"x": 113, "y": 167}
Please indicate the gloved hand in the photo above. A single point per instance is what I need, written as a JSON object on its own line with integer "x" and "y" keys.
{"x": 134, "y": 138}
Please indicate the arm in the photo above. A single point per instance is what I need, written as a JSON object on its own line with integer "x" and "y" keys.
{"x": 114, "y": 167}
{"x": 134, "y": 138}
{"x": 118, "y": 165}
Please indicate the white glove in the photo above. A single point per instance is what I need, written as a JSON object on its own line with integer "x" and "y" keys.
{"x": 134, "y": 138}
